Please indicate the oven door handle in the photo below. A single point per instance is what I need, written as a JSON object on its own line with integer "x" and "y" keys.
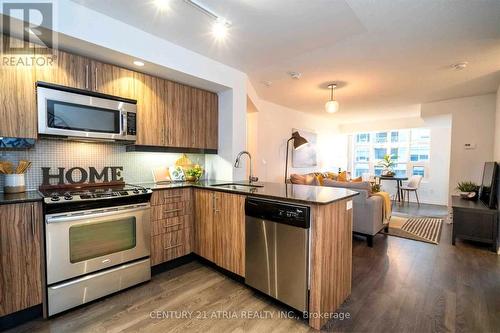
{"x": 92, "y": 214}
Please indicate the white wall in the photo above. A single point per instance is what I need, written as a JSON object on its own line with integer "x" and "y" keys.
{"x": 473, "y": 121}
{"x": 434, "y": 189}
{"x": 272, "y": 126}
{"x": 497, "y": 129}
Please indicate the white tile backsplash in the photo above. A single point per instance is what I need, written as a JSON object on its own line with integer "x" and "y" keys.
{"x": 59, "y": 153}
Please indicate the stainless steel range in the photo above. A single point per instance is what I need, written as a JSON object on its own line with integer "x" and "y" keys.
{"x": 97, "y": 242}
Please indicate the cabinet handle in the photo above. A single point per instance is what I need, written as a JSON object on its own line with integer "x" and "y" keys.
{"x": 173, "y": 196}
{"x": 172, "y": 225}
{"x": 33, "y": 220}
{"x": 172, "y": 246}
{"x": 172, "y": 210}
{"x": 86, "y": 76}
{"x": 95, "y": 78}
{"x": 215, "y": 204}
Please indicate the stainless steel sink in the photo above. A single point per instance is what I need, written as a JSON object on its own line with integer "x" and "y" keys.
{"x": 238, "y": 187}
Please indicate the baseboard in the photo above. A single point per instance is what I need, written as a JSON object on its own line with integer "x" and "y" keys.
{"x": 20, "y": 317}
{"x": 166, "y": 266}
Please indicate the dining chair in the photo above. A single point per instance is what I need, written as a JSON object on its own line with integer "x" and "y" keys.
{"x": 412, "y": 186}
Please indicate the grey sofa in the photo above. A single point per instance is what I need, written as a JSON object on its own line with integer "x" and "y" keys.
{"x": 368, "y": 217}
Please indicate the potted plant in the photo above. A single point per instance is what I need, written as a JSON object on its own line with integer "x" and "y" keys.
{"x": 468, "y": 190}
{"x": 194, "y": 174}
{"x": 388, "y": 163}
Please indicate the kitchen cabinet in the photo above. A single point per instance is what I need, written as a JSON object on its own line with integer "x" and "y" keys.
{"x": 204, "y": 211}
{"x": 229, "y": 232}
{"x": 178, "y": 122}
{"x": 220, "y": 229}
{"x": 18, "y": 114}
{"x": 67, "y": 69}
{"x": 171, "y": 225}
{"x": 204, "y": 119}
{"x": 112, "y": 80}
{"x": 169, "y": 114}
{"x": 151, "y": 111}
{"x": 20, "y": 255}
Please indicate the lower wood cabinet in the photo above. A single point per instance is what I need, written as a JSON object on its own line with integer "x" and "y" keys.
{"x": 171, "y": 225}
{"x": 20, "y": 255}
{"x": 220, "y": 229}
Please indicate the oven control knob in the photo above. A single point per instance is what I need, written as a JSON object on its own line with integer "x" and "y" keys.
{"x": 68, "y": 197}
{"x": 55, "y": 198}
{"x": 136, "y": 191}
{"x": 144, "y": 191}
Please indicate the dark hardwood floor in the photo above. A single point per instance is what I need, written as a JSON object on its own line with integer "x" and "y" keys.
{"x": 399, "y": 285}
{"x": 413, "y": 209}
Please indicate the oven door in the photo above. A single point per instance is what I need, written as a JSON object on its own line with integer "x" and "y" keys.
{"x": 69, "y": 114}
{"x": 81, "y": 242}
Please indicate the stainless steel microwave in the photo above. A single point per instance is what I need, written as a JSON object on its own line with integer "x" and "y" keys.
{"x": 80, "y": 114}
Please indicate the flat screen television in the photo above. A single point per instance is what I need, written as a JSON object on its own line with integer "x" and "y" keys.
{"x": 488, "y": 190}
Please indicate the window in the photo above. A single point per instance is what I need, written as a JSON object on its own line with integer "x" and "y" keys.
{"x": 395, "y": 136}
{"x": 419, "y": 154}
{"x": 410, "y": 148}
{"x": 363, "y": 138}
{"x": 419, "y": 171}
{"x": 361, "y": 169}
{"x": 362, "y": 154}
{"x": 380, "y": 153}
{"x": 381, "y": 137}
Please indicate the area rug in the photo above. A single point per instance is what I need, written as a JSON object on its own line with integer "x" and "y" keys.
{"x": 424, "y": 229}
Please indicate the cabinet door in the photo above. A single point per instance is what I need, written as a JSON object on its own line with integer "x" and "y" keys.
{"x": 212, "y": 120}
{"x": 178, "y": 121}
{"x": 203, "y": 225}
{"x": 67, "y": 69}
{"x": 149, "y": 92}
{"x": 20, "y": 277}
{"x": 198, "y": 118}
{"x": 18, "y": 114}
{"x": 229, "y": 225}
{"x": 112, "y": 80}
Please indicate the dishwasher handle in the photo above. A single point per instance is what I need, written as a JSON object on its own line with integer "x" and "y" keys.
{"x": 279, "y": 212}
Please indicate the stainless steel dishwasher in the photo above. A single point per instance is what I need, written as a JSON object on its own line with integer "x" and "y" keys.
{"x": 277, "y": 250}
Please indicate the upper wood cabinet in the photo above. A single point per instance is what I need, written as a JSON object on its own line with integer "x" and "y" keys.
{"x": 18, "y": 114}
{"x": 20, "y": 255}
{"x": 150, "y": 93}
{"x": 169, "y": 114}
{"x": 112, "y": 80}
{"x": 67, "y": 70}
{"x": 219, "y": 223}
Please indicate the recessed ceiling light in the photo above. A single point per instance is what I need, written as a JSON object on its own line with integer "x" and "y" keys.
{"x": 295, "y": 75}
{"x": 162, "y": 4}
{"x": 138, "y": 63}
{"x": 459, "y": 66}
{"x": 219, "y": 28}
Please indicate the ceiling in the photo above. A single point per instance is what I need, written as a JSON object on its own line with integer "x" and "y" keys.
{"x": 385, "y": 54}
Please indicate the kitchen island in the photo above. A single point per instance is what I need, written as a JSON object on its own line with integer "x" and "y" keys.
{"x": 330, "y": 275}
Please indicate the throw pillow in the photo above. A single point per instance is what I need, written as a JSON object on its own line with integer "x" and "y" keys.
{"x": 357, "y": 180}
{"x": 342, "y": 177}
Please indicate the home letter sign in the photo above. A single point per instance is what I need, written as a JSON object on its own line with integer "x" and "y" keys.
{"x": 78, "y": 175}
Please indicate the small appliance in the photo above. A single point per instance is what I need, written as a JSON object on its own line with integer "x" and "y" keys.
{"x": 71, "y": 113}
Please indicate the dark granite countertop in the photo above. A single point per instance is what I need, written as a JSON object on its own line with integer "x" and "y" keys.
{"x": 286, "y": 192}
{"x": 28, "y": 196}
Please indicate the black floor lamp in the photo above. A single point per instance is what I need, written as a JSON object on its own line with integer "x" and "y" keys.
{"x": 298, "y": 142}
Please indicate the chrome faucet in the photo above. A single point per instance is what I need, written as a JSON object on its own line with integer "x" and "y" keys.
{"x": 251, "y": 178}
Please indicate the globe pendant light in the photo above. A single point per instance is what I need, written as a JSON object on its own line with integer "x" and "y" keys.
{"x": 332, "y": 105}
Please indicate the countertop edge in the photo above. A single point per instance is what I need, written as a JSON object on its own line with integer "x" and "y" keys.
{"x": 268, "y": 196}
